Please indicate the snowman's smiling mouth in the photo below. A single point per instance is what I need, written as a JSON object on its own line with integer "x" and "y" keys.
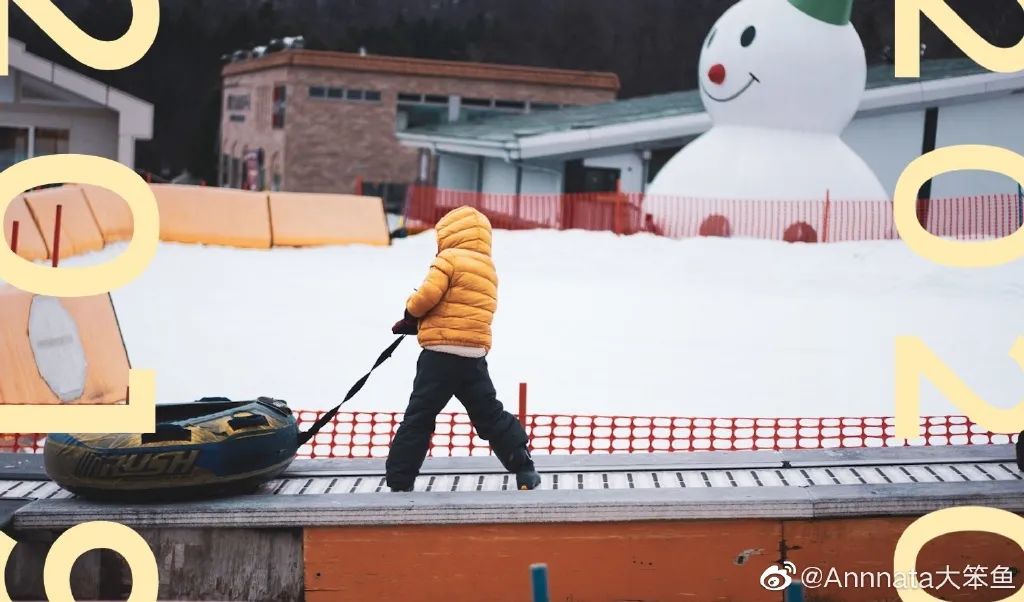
{"x": 753, "y": 79}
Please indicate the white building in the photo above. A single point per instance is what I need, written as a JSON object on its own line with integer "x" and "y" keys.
{"x": 47, "y": 109}
{"x": 590, "y": 149}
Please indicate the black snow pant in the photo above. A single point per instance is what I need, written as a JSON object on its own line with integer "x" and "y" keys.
{"x": 439, "y": 376}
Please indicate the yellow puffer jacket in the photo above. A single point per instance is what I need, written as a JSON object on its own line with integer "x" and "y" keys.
{"x": 456, "y": 303}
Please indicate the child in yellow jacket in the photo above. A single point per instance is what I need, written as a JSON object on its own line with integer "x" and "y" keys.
{"x": 451, "y": 313}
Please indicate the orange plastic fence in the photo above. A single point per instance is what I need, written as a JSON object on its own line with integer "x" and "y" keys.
{"x": 112, "y": 214}
{"x": 213, "y": 216}
{"x": 79, "y": 232}
{"x": 811, "y": 220}
{"x": 304, "y": 220}
{"x": 30, "y": 242}
{"x": 106, "y": 375}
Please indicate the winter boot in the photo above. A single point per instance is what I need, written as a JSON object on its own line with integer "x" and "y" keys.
{"x": 401, "y": 490}
{"x": 526, "y": 474}
{"x": 527, "y": 479}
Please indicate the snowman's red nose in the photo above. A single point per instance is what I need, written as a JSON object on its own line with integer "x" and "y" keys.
{"x": 717, "y": 73}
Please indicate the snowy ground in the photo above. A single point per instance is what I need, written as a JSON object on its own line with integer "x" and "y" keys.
{"x": 594, "y": 324}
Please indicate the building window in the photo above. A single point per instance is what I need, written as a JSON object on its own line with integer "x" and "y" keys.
{"x": 236, "y": 173}
{"x": 475, "y": 109}
{"x": 418, "y": 110}
{"x": 225, "y": 167}
{"x": 344, "y": 94}
{"x": 516, "y": 105}
{"x": 13, "y": 146}
{"x": 238, "y": 102}
{"x": 237, "y": 118}
{"x": 280, "y": 105}
{"x": 50, "y": 142}
{"x": 414, "y": 116}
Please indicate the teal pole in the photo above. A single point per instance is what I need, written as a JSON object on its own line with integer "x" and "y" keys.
{"x": 539, "y": 573}
{"x": 795, "y": 592}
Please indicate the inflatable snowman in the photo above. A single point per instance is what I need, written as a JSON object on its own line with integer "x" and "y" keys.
{"x": 781, "y": 80}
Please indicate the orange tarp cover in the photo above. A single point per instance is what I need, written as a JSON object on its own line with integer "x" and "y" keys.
{"x": 30, "y": 242}
{"x": 301, "y": 220}
{"x": 78, "y": 232}
{"x": 111, "y": 212}
{"x": 106, "y": 356}
{"x": 213, "y": 216}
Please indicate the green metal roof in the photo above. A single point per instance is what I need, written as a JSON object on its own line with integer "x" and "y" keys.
{"x": 508, "y": 128}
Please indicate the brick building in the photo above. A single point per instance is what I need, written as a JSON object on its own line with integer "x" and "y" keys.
{"x": 312, "y": 121}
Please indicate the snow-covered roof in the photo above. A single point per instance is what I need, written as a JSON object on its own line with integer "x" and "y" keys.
{"x": 681, "y": 114}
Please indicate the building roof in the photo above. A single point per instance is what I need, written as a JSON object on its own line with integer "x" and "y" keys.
{"x": 135, "y": 116}
{"x": 681, "y": 114}
{"x": 346, "y": 61}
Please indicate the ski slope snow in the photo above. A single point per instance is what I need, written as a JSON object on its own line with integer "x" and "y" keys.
{"x": 596, "y": 324}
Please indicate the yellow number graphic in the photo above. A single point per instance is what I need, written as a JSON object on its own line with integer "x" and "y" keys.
{"x": 98, "y": 54}
{"x": 946, "y": 252}
{"x": 6, "y": 547}
{"x": 77, "y": 541}
{"x": 139, "y": 415}
{"x": 914, "y": 359}
{"x": 85, "y": 281}
{"x": 944, "y": 522}
{"x": 908, "y": 38}
{"x": 94, "y": 536}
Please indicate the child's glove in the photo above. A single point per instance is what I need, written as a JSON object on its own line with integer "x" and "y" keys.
{"x": 407, "y": 325}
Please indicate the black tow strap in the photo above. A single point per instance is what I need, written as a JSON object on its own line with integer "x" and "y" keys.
{"x": 328, "y": 416}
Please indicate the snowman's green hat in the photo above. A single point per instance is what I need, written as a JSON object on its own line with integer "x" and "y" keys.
{"x": 836, "y": 12}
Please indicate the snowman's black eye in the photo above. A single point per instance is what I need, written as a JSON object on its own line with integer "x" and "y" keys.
{"x": 711, "y": 38}
{"x": 748, "y": 36}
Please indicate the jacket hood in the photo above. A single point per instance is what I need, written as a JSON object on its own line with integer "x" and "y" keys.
{"x": 464, "y": 228}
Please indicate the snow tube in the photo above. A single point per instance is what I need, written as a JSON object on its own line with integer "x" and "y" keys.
{"x": 1020, "y": 451}
{"x": 207, "y": 448}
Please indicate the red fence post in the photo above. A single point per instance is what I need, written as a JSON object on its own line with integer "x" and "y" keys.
{"x": 522, "y": 404}
{"x": 14, "y": 236}
{"x": 825, "y": 223}
{"x": 359, "y": 185}
{"x": 923, "y": 208}
{"x": 56, "y": 237}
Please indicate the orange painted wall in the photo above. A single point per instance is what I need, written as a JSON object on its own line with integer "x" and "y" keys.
{"x": 79, "y": 232}
{"x": 107, "y": 371}
{"x": 665, "y": 561}
{"x": 112, "y": 214}
{"x": 213, "y": 216}
{"x": 30, "y": 242}
{"x": 306, "y": 220}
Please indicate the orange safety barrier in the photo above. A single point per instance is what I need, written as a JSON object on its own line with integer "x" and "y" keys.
{"x": 30, "y": 242}
{"x": 305, "y": 220}
{"x": 78, "y": 232}
{"x": 111, "y": 212}
{"x": 213, "y": 216}
{"x": 62, "y": 330}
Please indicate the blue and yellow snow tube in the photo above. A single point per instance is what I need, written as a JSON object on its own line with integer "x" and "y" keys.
{"x": 208, "y": 448}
